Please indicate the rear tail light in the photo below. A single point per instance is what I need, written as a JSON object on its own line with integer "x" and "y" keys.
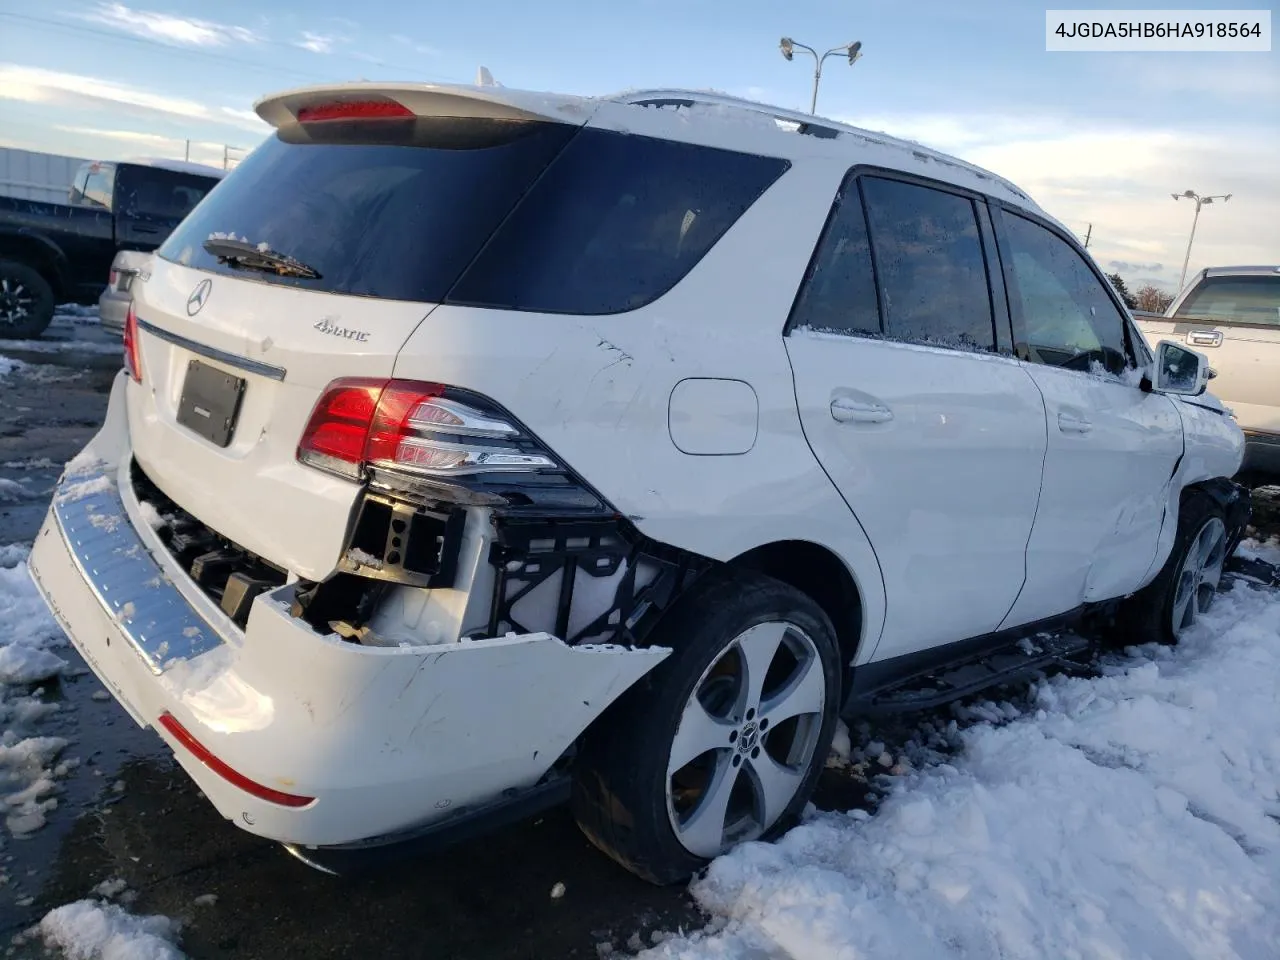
{"x": 132, "y": 357}
{"x": 416, "y": 428}
{"x": 201, "y": 753}
{"x": 112, "y": 277}
{"x": 354, "y": 110}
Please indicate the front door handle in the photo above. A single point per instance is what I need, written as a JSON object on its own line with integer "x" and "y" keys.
{"x": 1070, "y": 423}
{"x": 848, "y": 410}
{"x": 1205, "y": 338}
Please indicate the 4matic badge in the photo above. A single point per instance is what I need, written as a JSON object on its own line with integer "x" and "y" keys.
{"x": 326, "y": 325}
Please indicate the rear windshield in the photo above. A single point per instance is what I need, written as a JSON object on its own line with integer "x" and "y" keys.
{"x": 155, "y": 193}
{"x": 1239, "y": 299}
{"x": 511, "y": 214}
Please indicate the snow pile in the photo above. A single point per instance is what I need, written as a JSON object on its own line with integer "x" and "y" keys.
{"x": 1266, "y": 550}
{"x": 8, "y": 365}
{"x": 93, "y": 930}
{"x": 28, "y": 772}
{"x": 1134, "y": 814}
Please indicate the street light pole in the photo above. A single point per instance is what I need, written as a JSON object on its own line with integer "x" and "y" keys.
{"x": 788, "y": 47}
{"x": 1200, "y": 202}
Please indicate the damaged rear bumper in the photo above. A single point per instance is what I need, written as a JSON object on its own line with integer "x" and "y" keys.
{"x": 376, "y": 740}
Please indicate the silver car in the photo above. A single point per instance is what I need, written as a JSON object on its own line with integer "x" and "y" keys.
{"x": 113, "y": 305}
{"x": 1232, "y": 314}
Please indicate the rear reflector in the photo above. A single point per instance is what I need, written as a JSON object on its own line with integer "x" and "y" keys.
{"x": 132, "y": 356}
{"x": 354, "y": 110}
{"x": 198, "y": 750}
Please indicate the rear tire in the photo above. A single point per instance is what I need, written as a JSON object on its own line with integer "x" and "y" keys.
{"x": 1168, "y": 606}
{"x": 724, "y": 741}
{"x": 26, "y": 301}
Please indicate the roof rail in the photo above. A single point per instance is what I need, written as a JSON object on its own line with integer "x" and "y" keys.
{"x": 806, "y": 123}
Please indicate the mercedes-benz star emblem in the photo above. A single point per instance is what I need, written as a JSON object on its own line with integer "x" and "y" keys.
{"x": 199, "y": 296}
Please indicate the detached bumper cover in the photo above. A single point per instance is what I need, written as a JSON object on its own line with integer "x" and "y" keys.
{"x": 385, "y": 739}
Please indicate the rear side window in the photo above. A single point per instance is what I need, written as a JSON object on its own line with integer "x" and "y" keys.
{"x": 1062, "y": 314}
{"x": 509, "y": 214}
{"x": 1234, "y": 299}
{"x": 158, "y": 194}
{"x": 839, "y": 293}
{"x": 930, "y": 265}
{"x": 614, "y": 223}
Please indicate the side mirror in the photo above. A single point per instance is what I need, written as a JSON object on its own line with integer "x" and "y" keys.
{"x": 1179, "y": 370}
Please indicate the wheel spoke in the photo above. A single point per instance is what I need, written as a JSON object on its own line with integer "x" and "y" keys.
{"x": 775, "y": 786}
{"x": 1183, "y": 598}
{"x": 757, "y": 647}
{"x": 1208, "y": 540}
{"x": 703, "y": 832}
{"x": 698, "y": 733}
{"x": 805, "y": 692}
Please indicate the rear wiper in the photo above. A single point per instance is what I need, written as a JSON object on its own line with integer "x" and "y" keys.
{"x": 259, "y": 256}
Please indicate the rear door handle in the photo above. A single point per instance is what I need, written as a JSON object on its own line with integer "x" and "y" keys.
{"x": 1069, "y": 423}
{"x": 848, "y": 410}
{"x": 1205, "y": 338}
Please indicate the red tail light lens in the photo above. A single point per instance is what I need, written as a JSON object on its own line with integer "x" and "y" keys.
{"x": 132, "y": 356}
{"x": 354, "y": 110}
{"x": 201, "y": 753}
{"x": 112, "y": 277}
{"x": 417, "y": 427}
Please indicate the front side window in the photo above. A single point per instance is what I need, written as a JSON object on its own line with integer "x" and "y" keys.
{"x": 930, "y": 265}
{"x": 1063, "y": 315}
{"x": 1233, "y": 300}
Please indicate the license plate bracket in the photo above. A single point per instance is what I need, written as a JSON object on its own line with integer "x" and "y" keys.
{"x": 210, "y": 402}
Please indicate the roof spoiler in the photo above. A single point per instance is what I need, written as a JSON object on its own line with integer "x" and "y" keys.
{"x": 428, "y": 100}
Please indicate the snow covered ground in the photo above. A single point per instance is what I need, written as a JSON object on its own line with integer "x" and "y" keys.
{"x": 1132, "y": 814}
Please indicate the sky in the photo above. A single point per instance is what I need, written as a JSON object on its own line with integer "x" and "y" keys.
{"x": 1100, "y": 140}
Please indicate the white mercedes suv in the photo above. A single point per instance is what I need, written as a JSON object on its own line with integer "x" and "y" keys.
{"x": 478, "y": 449}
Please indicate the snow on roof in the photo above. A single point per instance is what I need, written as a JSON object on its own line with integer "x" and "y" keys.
{"x": 178, "y": 166}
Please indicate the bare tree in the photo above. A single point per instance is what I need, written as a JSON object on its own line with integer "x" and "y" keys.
{"x": 1152, "y": 299}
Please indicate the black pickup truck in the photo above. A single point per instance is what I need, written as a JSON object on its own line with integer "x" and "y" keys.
{"x": 54, "y": 253}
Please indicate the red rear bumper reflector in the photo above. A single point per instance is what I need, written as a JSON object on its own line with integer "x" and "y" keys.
{"x": 201, "y": 753}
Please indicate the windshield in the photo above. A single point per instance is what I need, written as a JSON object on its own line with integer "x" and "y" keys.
{"x": 1234, "y": 299}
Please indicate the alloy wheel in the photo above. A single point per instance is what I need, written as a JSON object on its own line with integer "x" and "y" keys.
{"x": 16, "y": 301}
{"x": 746, "y": 738}
{"x": 1200, "y": 574}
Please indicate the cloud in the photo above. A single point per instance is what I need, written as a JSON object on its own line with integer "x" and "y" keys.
{"x": 415, "y": 45}
{"x": 245, "y": 118}
{"x": 37, "y": 85}
{"x": 318, "y": 42}
{"x": 199, "y": 151}
{"x": 1125, "y": 267}
{"x": 168, "y": 28}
